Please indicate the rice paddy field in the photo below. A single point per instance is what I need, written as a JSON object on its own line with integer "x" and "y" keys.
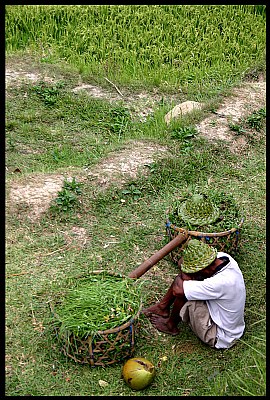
{"x": 200, "y": 47}
{"x": 61, "y": 143}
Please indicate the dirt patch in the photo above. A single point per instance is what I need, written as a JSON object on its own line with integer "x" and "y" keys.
{"x": 244, "y": 100}
{"x": 27, "y": 68}
{"x": 97, "y": 92}
{"x": 36, "y": 192}
{"x": 125, "y": 163}
{"x": 20, "y": 76}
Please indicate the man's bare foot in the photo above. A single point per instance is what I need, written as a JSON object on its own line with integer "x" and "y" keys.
{"x": 157, "y": 310}
{"x": 162, "y": 325}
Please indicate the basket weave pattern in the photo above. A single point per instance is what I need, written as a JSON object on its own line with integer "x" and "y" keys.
{"x": 227, "y": 241}
{"x": 106, "y": 348}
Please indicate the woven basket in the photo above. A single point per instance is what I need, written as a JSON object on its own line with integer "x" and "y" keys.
{"x": 105, "y": 348}
{"x": 227, "y": 241}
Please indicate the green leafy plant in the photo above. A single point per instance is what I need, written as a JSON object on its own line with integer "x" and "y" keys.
{"x": 237, "y": 128}
{"x": 184, "y": 134}
{"x": 73, "y": 186}
{"x": 132, "y": 191}
{"x": 67, "y": 198}
{"x": 49, "y": 94}
{"x": 257, "y": 119}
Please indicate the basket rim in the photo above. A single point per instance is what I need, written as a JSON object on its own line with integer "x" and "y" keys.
{"x": 169, "y": 224}
{"x": 111, "y": 330}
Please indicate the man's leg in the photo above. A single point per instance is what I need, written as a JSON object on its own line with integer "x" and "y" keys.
{"x": 162, "y": 308}
{"x": 169, "y": 325}
{"x": 196, "y": 314}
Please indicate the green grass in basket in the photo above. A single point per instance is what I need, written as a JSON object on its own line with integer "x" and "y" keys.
{"x": 230, "y": 215}
{"x": 98, "y": 303}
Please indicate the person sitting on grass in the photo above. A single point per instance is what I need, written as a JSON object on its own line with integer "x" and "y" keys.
{"x": 209, "y": 294}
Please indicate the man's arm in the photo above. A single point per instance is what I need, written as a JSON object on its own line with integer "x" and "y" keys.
{"x": 178, "y": 289}
{"x": 187, "y": 277}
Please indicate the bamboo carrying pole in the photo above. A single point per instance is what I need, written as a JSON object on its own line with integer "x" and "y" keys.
{"x": 155, "y": 258}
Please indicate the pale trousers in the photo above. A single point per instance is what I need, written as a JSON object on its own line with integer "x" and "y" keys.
{"x": 196, "y": 314}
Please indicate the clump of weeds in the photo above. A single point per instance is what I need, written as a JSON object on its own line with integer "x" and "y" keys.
{"x": 237, "y": 128}
{"x": 116, "y": 122}
{"x": 257, "y": 119}
{"x": 48, "y": 93}
{"x": 67, "y": 198}
{"x": 132, "y": 191}
{"x": 184, "y": 135}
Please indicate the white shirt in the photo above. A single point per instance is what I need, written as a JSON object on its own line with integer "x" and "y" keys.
{"x": 225, "y": 296}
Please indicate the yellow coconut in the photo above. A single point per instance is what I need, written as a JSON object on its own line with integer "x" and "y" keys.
{"x": 138, "y": 373}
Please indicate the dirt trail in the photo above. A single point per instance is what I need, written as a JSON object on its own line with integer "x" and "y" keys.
{"x": 37, "y": 191}
{"x": 244, "y": 100}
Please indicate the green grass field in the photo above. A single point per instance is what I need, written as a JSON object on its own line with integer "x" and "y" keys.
{"x": 198, "y": 52}
{"x": 192, "y": 48}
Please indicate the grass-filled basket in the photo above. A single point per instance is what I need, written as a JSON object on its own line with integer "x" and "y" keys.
{"x": 94, "y": 321}
{"x": 213, "y": 218}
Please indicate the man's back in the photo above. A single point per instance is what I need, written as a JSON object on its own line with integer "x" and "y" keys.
{"x": 225, "y": 294}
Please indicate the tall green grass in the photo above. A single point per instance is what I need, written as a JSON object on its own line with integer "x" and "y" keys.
{"x": 160, "y": 45}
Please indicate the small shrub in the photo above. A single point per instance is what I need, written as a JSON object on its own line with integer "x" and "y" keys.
{"x": 67, "y": 198}
{"x": 132, "y": 191}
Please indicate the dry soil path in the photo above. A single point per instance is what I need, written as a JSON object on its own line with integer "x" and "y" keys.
{"x": 38, "y": 190}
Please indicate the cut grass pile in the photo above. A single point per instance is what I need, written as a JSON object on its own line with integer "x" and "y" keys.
{"x": 83, "y": 311}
